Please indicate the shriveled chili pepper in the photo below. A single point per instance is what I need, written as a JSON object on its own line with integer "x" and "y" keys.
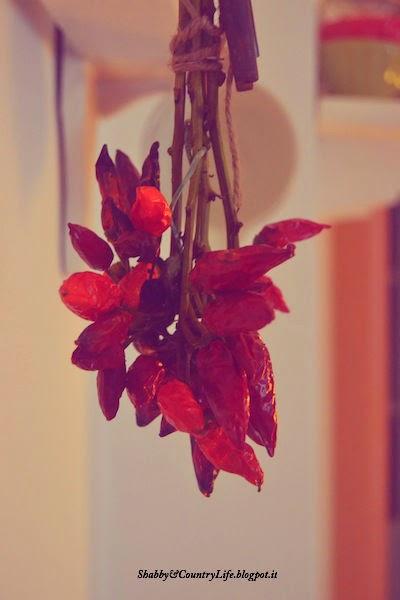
{"x": 236, "y": 269}
{"x": 128, "y": 179}
{"x": 108, "y": 358}
{"x": 224, "y": 387}
{"x": 266, "y": 288}
{"x": 151, "y": 168}
{"x": 110, "y": 386}
{"x": 151, "y": 212}
{"x": 143, "y": 379}
{"x": 179, "y": 406}
{"x": 146, "y": 342}
{"x": 223, "y": 454}
{"x": 108, "y": 330}
{"x": 252, "y": 355}
{"x": 289, "y": 231}
{"x": 90, "y": 247}
{"x": 130, "y": 244}
{"x": 166, "y": 428}
{"x": 237, "y": 311}
{"x": 254, "y": 435}
{"x": 90, "y": 295}
{"x": 132, "y": 283}
{"x": 205, "y": 472}
{"x": 114, "y": 221}
{"x": 106, "y": 175}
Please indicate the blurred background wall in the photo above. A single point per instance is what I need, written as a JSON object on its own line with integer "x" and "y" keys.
{"x": 44, "y": 510}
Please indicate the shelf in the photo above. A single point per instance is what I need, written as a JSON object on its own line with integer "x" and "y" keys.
{"x": 368, "y": 118}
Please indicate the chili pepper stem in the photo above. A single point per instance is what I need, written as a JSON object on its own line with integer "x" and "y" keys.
{"x": 232, "y": 223}
{"x": 195, "y": 88}
{"x": 201, "y": 241}
{"x": 178, "y": 141}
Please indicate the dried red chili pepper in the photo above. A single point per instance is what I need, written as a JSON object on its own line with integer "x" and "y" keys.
{"x": 237, "y": 311}
{"x": 143, "y": 379}
{"x": 110, "y": 386}
{"x": 205, "y": 472}
{"x": 166, "y": 428}
{"x": 131, "y": 244}
{"x": 108, "y": 330}
{"x": 146, "y": 342}
{"x": 128, "y": 179}
{"x": 224, "y": 387}
{"x": 114, "y": 221}
{"x": 106, "y": 175}
{"x": 272, "y": 294}
{"x": 132, "y": 283}
{"x": 236, "y": 269}
{"x": 292, "y": 230}
{"x": 223, "y": 454}
{"x": 151, "y": 168}
{"x": 179, "y": 406}
{"x": 151, "y": 212}
{"x": 90, "y": 247}
{"x": 90, "y": 295}
{"x": 108, "y": 358}
{"x": 252, "y": 355}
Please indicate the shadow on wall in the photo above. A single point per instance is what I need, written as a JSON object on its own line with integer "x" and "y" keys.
{"x": 30, "y": 113}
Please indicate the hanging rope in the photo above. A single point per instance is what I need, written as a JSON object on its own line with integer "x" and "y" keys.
{"x": 233, "y": 147}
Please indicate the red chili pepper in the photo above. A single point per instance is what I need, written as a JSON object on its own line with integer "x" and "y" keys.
{"x": 114, "y": 221}
{"x": 132, "y": 283}
{"x": 237, "y": 311}
{"x": 143, "y": 379}
{"x": 219, "y": 450}
{"x": 128, "y": 179}
{"x": 110, "y": 386}
{"x": 151, "y": 212}
{"x": 205, "y": 472}
{"x": 252, "y": 355}
{"x": 292, "y": 230}
{"x": 236, "y": 269}
{"x": 179, "y": 406}
{"x": 151, "y": 168}
{"x": 131, "y": 244}
{"x": 90, "y": 295}
{"x": 107, "y": 178}
{"x": 272, "y": 294}
{"x": 225, "y": 389}
{"x": 166, "y": 428}
{"x": 90, "y": 247}
{"x": 109, "y": 358}
{"x": 108, "y": 330}
{"x": 146, "y": 342}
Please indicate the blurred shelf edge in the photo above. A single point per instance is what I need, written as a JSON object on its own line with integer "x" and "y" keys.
{"x": 359, "y": 117}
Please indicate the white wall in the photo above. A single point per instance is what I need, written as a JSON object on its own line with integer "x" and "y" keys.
{"x": 43, "y": 440}
{"x": 147, "y": 512}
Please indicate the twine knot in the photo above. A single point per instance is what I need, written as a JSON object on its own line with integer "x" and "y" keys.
{"x": 206, "y": 58}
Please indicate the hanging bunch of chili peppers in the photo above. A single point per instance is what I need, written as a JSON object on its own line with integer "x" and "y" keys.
{"x": 193, "y": 317}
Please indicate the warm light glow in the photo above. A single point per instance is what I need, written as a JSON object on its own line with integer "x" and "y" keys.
{"x": 392, "y": 77}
